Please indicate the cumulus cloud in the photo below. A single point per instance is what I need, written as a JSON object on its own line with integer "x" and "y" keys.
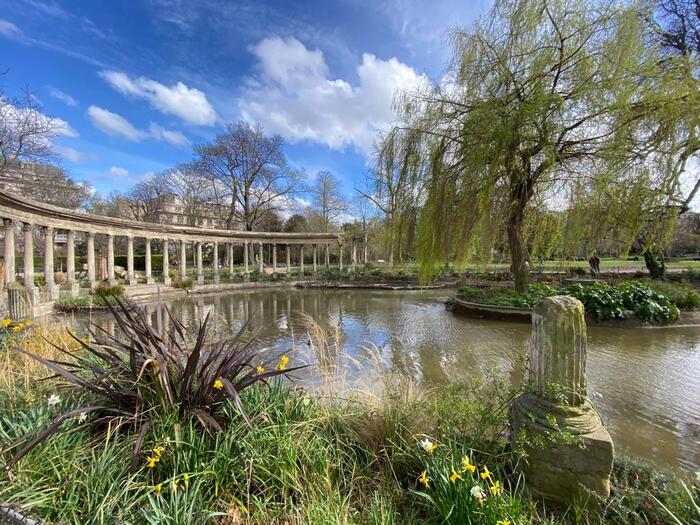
{"x": 63, "y": 97}
{"x": 189, "y": 104}
{"x": 294, "y": 94}
{"x": 72, "y": 154}
{"x": 118, "y": 172}
{"x": 10, "y": 30}
{"x": 117, "y": 126}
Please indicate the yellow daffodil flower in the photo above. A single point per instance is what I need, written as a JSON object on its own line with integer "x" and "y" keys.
{"x": 423, "y": 479}
{"x": 284, "y": 360}
{"x": 260, "y": 369}
{"x": 186, "y": 477}
{"x": 158, "y": 452}
{"x": 159, "y": 487}
{"x": 496, "y": 489}
{"x": 428, "y": 446}
{"x": 485, "y": 474}
{"x": 467, "y": 466}
{"x": 503, "y": 522}
{"x": 16, "y": 328}
{"x": 218, "y": 384}
{"x": 454, "y": 477}
{"x": 152, "y": 461}
{"x": 6, "y": 322}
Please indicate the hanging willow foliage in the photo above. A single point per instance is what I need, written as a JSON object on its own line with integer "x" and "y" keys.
{"x": 543, "y": 133}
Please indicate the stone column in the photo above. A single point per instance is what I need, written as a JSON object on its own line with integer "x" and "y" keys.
{"x": 70, "y": 262}
{"x": 246, "y": 272}
{"x": 262, "y": 260}
{"x": 166, "y": 263}
{"x": 354, "y": 256}
{"x": 288, "y": 256}
{"x": 200, "y": 265}
{"x": 28, "y": 230}
{"x": 49, "y": 282}
{"x": 340, "y": 258}
{"x": 301, "y": 260}
{"x": 274, "y": 258}
{"x": 110, "y": 259}
{"x": 183, "y": 259}
{"x": 130, "y": 274}
{"x": 568, "y": 449}
{"x": 230, "y": 259}
{"x": 148, "y": 263}
{"x": 328, "y": 258}
{"x": 215, "y": 263}
{"x": 315, "y": 257}
{"x": 92, "y": 281}
{"x": 10, "y": 273}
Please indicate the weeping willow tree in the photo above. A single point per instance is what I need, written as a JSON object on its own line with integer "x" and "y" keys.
{"x": 540, "y": 97}
{"x": 395, "y": 187}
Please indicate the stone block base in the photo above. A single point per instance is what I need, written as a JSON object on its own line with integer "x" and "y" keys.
{"x": 567, "y": 449}
{"x": 217, "y": 279}
{"x": 200, "y": 279}
{"x": 167, "y": 281}
{"x": 73, "y": 289}
{"x": 53, "y": 291}
{"x": 246, "y": 277}
{"x": 150, "y": 280}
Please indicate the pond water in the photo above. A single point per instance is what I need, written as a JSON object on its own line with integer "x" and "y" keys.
{"x": 645, "y": 382}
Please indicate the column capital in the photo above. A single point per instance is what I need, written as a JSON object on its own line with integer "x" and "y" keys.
{"x": 27, "y": 227}
{"x": 47, "y": 228}
{"x": 90, "y": 235}
{"x": 8, "y": 223}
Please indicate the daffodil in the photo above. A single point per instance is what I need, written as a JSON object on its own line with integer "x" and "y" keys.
{"x": 485, "y": 474}
{"x": 17, "y": 328}
{"x": 82, "y": 417}
{"x": 6, "y": 322}
{"x": 158, "y": 452}
{"x": 54, "y": 400}
{"x": 260, "y": 369}
{"x": 454, "y": 477}
{"x": 503, "y": 522}
{"x": 467, "y": 466}
{"x": 186, "y": 477}
{"x": 158, "y": 488}
{"x": 283, "y": 363}
{"x": 478, "y": 493}
{"x": 218, "y": 384}
{"x": 423, "y": 479}
{"x": 151, "y": 461}
{"x": 428, "y": 446}
{"x": 496, "y": 489}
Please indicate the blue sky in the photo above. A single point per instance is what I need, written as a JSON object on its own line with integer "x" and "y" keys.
{"x": 138, "y": 83}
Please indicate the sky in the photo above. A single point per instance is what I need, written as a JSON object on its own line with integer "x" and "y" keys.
{"x": 138, "y": 83}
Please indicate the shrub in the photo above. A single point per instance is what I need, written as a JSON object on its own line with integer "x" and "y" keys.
{"x": 147, "y": 375}
{"x": 105, "y": 289}
{"x": 682, "y": 295}
{"x": 185, "y": 284}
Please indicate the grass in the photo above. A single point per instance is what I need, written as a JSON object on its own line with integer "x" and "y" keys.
{"x": 308, "y": 457}
{"x": 84, "y": 302}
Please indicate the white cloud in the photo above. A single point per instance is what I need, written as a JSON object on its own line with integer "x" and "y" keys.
{"x": 72, "y": 154}
{"x": 189, "y": 104}
{"x": 173, "y": 137}
{"x": 63, "y": 97}
{"x": 293, "y": 94}
{"x": 10, "y": 30}
{"x": 117, "y": 126}
{"x": 62, "y": 128}
{"x": 118, "y": 172}
{"x": 114, "y": 125}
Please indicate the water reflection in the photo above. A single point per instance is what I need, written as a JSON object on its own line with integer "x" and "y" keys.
{"x": 646, "y": 383}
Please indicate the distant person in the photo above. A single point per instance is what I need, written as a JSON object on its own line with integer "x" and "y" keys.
{"x": 594, "y": 263}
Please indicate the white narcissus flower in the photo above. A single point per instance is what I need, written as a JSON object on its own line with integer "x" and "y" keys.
{"x": 82, "y": 417}
{"x": 54, "y": 400}
{"x": 477, "y": 492}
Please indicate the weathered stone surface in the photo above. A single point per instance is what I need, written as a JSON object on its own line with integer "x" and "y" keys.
{"x": 566, "y": 449}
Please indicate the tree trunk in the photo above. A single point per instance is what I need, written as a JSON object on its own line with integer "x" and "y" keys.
{"x": 519, "y": 265}
{"x": 655, "y": 263}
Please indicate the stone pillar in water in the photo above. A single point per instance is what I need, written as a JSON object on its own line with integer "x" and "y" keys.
{"x": 567, "y": 450}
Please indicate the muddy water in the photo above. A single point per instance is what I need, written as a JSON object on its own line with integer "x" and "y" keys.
{"x": 645, "y": 382}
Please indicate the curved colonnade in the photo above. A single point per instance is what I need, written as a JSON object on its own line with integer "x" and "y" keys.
{"x": 33, "y": 215}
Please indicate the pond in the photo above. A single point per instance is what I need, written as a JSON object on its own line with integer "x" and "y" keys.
{"x": 645, "y": 382}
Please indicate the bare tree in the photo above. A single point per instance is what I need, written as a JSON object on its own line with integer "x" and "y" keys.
{"x": 25, "y": 132}
{"x": 146, "y": 199}
{"x": 192, "y": 188}
{"x": 251, "y": 171}
{"x": 328, "y": 203}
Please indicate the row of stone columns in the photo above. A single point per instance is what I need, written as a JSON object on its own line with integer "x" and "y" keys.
{"x": 49, "y": 232}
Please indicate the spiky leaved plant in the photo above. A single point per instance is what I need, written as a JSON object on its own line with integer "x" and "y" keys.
{"x": 145, "y": 372}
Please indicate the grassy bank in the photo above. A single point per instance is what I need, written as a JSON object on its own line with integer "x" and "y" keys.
{"x": 401, "y": 454}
